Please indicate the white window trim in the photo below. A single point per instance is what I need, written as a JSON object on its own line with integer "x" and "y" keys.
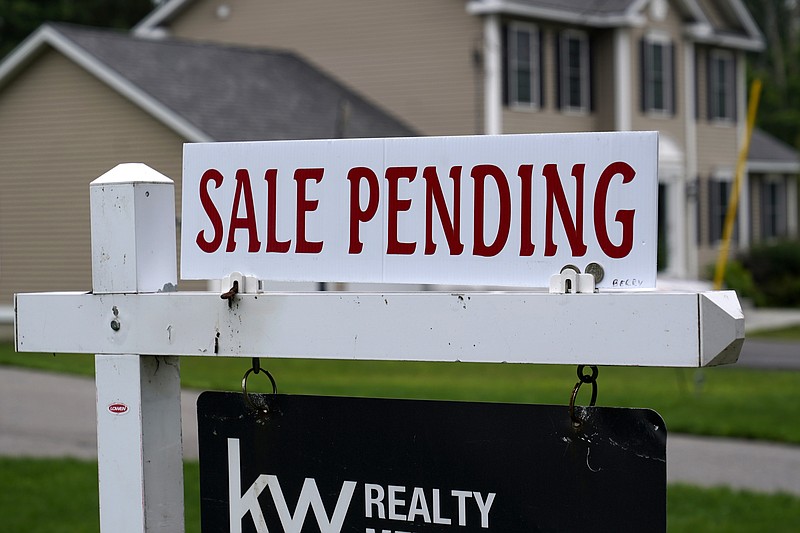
{"x": 583, "y": 37}
{"x": 730, "y": 92}
{"x": 535, "y": 66}
{"x": 665, "y": 40}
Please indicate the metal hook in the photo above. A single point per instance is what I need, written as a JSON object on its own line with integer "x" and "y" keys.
{"x": 583, "y": 378}
{"x": 229, "y": 295}
{"x": 256, "y": 369}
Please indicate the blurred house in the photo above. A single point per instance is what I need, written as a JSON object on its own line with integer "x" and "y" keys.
{"x": 450, "y": 67}
{"x": 73, "y": 102}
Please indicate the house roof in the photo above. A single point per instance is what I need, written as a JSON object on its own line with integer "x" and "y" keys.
{"x": 768, "y": 154}
{"x": 210, "y": 92}
{"x": 720, "y": 22}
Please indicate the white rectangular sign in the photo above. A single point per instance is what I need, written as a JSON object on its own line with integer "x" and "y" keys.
{"x": 505, "y": 210}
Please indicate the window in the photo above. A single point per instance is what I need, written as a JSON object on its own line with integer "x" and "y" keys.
{"x": 658, "y": 73}
{"x": 773, "y": 208}
{"x": 574, "y": 71}
{"x": 523, "y": 65}
{"x": 721, "y": 85}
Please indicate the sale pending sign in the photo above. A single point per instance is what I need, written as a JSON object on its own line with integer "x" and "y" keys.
{"x": 479, "y": 210}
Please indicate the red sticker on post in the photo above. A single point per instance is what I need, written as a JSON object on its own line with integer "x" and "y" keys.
{"x": 118, "y": 408}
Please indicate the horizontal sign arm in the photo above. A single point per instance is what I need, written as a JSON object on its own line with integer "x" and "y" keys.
{"x": 638, "y": 328}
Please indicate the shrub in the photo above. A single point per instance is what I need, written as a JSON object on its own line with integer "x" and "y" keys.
{"x": 738, "y": 278}
{"x": 775, "y": 273}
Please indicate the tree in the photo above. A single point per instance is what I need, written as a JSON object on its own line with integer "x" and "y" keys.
{"x": 19, "y": 18}
{"x": 778, "y": 67}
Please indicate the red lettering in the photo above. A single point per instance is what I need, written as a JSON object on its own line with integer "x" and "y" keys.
{"x": 526, "y": 246}
{"x": 623, "y": 216}
{"x": 573, "y": 228}
{"x": 358, "y": 215}
{"x": 450, "y": 226}
{"x": 248, "y": 221}
{"x": 479, "y": 174}
{"x": 211, "y": 211}
{"x": 394, "y": 206}
{"x": 304, "y": 205}
{"x": 273, "y": 244}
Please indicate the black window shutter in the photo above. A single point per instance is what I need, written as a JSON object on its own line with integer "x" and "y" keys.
{"x": 643, "y": 104}
{"x": 540, "y": 72}
{"x": 698, "y": 210}
{"x": 697, "y": 114}
{"x": 673, "y": 82}
{"x": 505, "y": 74}
{"x": 710, "y": 111}
{"x": 557, "y": 62}
{"x": 591, "y": 43}
{"x": 715, "y": 211}
{"x": 734, "y": 85}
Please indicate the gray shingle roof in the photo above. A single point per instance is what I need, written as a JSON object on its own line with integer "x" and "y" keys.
{"x": 234, "y": 93}
{"x": 764, "y": 148}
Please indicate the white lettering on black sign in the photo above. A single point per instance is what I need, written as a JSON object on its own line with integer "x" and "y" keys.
{"x": 385, "y": 503}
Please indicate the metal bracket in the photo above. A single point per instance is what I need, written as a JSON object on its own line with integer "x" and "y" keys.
{"x": 570, "y": 280}
{"x": 246, "y": 284}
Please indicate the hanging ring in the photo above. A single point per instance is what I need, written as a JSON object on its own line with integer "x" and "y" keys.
{"x": 256, "y": 369}
{"x": 583, "y": 378}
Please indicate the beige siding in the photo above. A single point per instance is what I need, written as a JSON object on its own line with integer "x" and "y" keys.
{"x": 717, "y": 148}
{"x": 416, "y": 58}
{"x": 604, "y": 81}
{"x": 59, "y": 129}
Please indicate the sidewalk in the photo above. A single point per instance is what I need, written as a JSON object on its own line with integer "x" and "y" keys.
{"x": 759, "y": 319}
{"x": 53, "y": 415}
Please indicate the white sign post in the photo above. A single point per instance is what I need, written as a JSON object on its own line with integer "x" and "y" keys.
{"x": 134, "y": 310}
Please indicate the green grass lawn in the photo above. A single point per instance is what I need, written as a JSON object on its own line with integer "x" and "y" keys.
{"x": 732, "y": 402}
{"x": 61, "y": 495}
{"x": 791, "y": 333}
{"x": 55, "y": 496}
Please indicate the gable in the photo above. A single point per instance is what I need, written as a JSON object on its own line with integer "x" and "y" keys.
{"x": 207, "y": 92}
{"x": 60, "y": 127}
{"x": 233, "y": 93}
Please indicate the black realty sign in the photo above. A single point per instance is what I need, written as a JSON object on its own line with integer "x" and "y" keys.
{"x": 331, "y": 464}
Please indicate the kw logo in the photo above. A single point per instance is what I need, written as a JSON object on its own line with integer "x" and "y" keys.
{"x": 241, "y": 504}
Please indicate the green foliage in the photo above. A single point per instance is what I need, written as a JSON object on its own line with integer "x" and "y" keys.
{"x": 739, "y": 279}
{"x": 777, "y": 67}
{"x": 19, "y": 18}
{"x": 775, "y": 271}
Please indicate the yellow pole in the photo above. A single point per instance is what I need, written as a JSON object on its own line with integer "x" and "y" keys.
{"x": 730, "y": 215}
